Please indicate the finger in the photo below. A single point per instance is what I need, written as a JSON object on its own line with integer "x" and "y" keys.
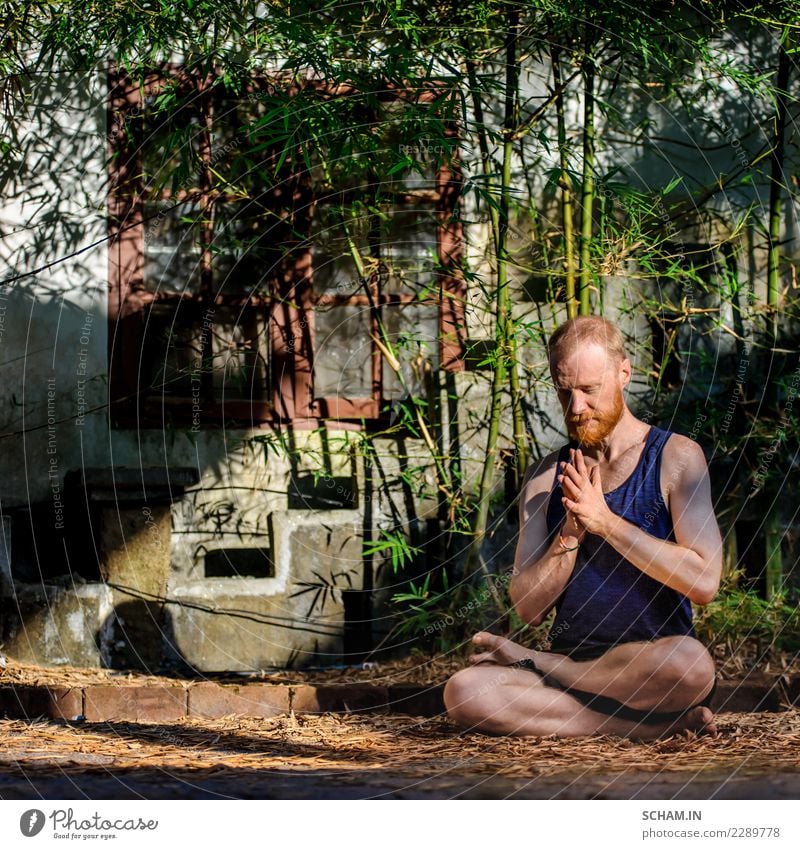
{"x": 572, "y": 506}
{"x": 580, "y": 463}
{"x": 573, "y": 474}
{"x": 569, "y": 488}
{"x": 595, "y": 478}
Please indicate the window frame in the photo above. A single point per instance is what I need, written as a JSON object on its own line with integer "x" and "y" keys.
{"x": 289, "y": 311}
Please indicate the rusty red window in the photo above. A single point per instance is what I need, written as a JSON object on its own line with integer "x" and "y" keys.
{"x": 254, "y": 300}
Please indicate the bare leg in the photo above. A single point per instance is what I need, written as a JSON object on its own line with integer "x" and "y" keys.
{"x": 499, "y": 700}
{"x": 668, "y": 674}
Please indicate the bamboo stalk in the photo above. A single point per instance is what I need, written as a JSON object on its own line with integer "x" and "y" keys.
{"x": 567, "y": 203}
{"x": 776, "y": 186}
{"x": 483, "y": 144}
{"x": 502, "y": 307}
{"x": 774, "y": 559}
{"x": 508, "y": 336}
{"x": 587, "y": 191}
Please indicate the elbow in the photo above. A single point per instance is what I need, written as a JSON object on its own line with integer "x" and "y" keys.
{"x": 525, "y": 608}
{"x": 705, "y": 593}
{"x": 708, "y": 574}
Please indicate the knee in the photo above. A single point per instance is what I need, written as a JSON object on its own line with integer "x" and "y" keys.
{"x": 687, "y": 666}
{"x": 468, "y": 695}
{"x": 459, "y": 695}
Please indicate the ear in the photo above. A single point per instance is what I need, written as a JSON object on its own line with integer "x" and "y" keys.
{"x": 625, "y": 372}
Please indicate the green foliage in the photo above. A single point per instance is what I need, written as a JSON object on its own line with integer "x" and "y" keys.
{"x": 395, "y": 546}
{"x": 739, "y": 615}
{"x": 444, "y": 621}
{"x": 666, "y": 58}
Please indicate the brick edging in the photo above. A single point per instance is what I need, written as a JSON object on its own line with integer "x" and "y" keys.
{"x": 168, "y": 702}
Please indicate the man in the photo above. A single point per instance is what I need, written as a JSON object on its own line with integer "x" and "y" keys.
{"x": 617, "y": 532}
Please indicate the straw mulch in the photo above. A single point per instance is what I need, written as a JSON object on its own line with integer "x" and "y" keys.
{"x": 410, "y": 670}
{"x": 415, "y": 669}
{"x": 30, "y": 675}
{"x": 746, "y": 744}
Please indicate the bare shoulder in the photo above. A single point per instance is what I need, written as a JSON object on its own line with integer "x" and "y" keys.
{"x": 536, "y": 485}
{"x": 684, "y": 453}
{"x": 683, "y": 464}
{"x": 540, "y": 475}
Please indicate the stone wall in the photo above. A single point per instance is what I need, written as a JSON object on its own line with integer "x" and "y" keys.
{"x": 211, "y": 550}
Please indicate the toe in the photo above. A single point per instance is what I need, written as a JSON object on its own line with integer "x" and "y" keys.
{"x": 709, "y": 726}
{"x": 701, "y": 721}
{"x": 485, "y": 639}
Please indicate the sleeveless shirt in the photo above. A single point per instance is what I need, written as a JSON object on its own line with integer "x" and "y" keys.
{"x": 607, "y": 600}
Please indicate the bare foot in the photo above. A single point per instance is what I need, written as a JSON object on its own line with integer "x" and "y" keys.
{"x": 498, "y": 650}
{"x": 697, "y": 721}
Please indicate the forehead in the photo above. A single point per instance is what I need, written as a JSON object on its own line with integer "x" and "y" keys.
{"x": 589, "y": 365}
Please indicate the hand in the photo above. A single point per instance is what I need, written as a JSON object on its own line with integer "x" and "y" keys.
{"x": 583, "y": 494}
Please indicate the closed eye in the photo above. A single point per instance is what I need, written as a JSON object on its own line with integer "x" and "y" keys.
{"x": 586, "y": 390}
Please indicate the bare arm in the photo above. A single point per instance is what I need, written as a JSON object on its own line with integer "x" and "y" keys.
{"x": 692, "y": 564}
{"x": 541, "y": 571}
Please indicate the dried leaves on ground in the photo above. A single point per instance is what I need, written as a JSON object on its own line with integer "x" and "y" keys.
{"x": 409, "y": 670}
{"x": 746, "y": 744}
{"x": 414, "y": 669}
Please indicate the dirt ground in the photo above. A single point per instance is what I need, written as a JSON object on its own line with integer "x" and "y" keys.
{"x": 369, "y": 755}
{"x": 374, "y": 756}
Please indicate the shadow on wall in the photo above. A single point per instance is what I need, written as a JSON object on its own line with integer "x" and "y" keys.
{"x": 53, "y": 336}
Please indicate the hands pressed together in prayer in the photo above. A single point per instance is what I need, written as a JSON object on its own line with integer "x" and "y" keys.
{"x": 587, "y": 511}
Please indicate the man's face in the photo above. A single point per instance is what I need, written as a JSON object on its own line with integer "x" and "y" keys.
{"x": 589, "y": 385}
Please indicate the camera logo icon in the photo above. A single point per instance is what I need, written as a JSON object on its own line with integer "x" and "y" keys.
{"x": 31, "y": 822}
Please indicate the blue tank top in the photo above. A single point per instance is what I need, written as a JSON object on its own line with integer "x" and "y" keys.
{"x": 607, "y": 600}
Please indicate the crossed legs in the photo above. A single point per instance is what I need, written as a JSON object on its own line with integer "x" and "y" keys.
{"x": 669, "y": 674}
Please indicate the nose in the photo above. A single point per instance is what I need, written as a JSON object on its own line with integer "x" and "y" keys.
{"x": 577, "y": 404}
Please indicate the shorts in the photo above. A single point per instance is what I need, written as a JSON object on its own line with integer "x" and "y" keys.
{"x": 609, "y": 706}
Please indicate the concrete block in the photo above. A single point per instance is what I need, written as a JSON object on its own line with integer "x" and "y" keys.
{"x": 153, "y": 703}
{"x": 54, "y": 626}
{"x": 136, "y": 547}
{"x": 248, "y": 634}
{"x": 214, "y": 700}
{"x": 135, "y": 544}
{"x": 118, "y": 484}
{"x": 291, "y": 619}
{"x": 218, "y": 518}
{"x": 314, "y": 547}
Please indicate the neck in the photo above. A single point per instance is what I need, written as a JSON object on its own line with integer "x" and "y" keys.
{"x": 627, "y": 432}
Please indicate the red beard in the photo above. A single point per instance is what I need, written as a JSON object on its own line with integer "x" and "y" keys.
{"x": 591, "y": 431}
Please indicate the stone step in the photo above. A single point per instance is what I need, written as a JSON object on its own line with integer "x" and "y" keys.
{"x": 170, "y": 702}
{"x": 167, "y": 703}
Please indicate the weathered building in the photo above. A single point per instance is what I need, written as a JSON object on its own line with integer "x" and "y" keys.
{"x": 185, "y": 480}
